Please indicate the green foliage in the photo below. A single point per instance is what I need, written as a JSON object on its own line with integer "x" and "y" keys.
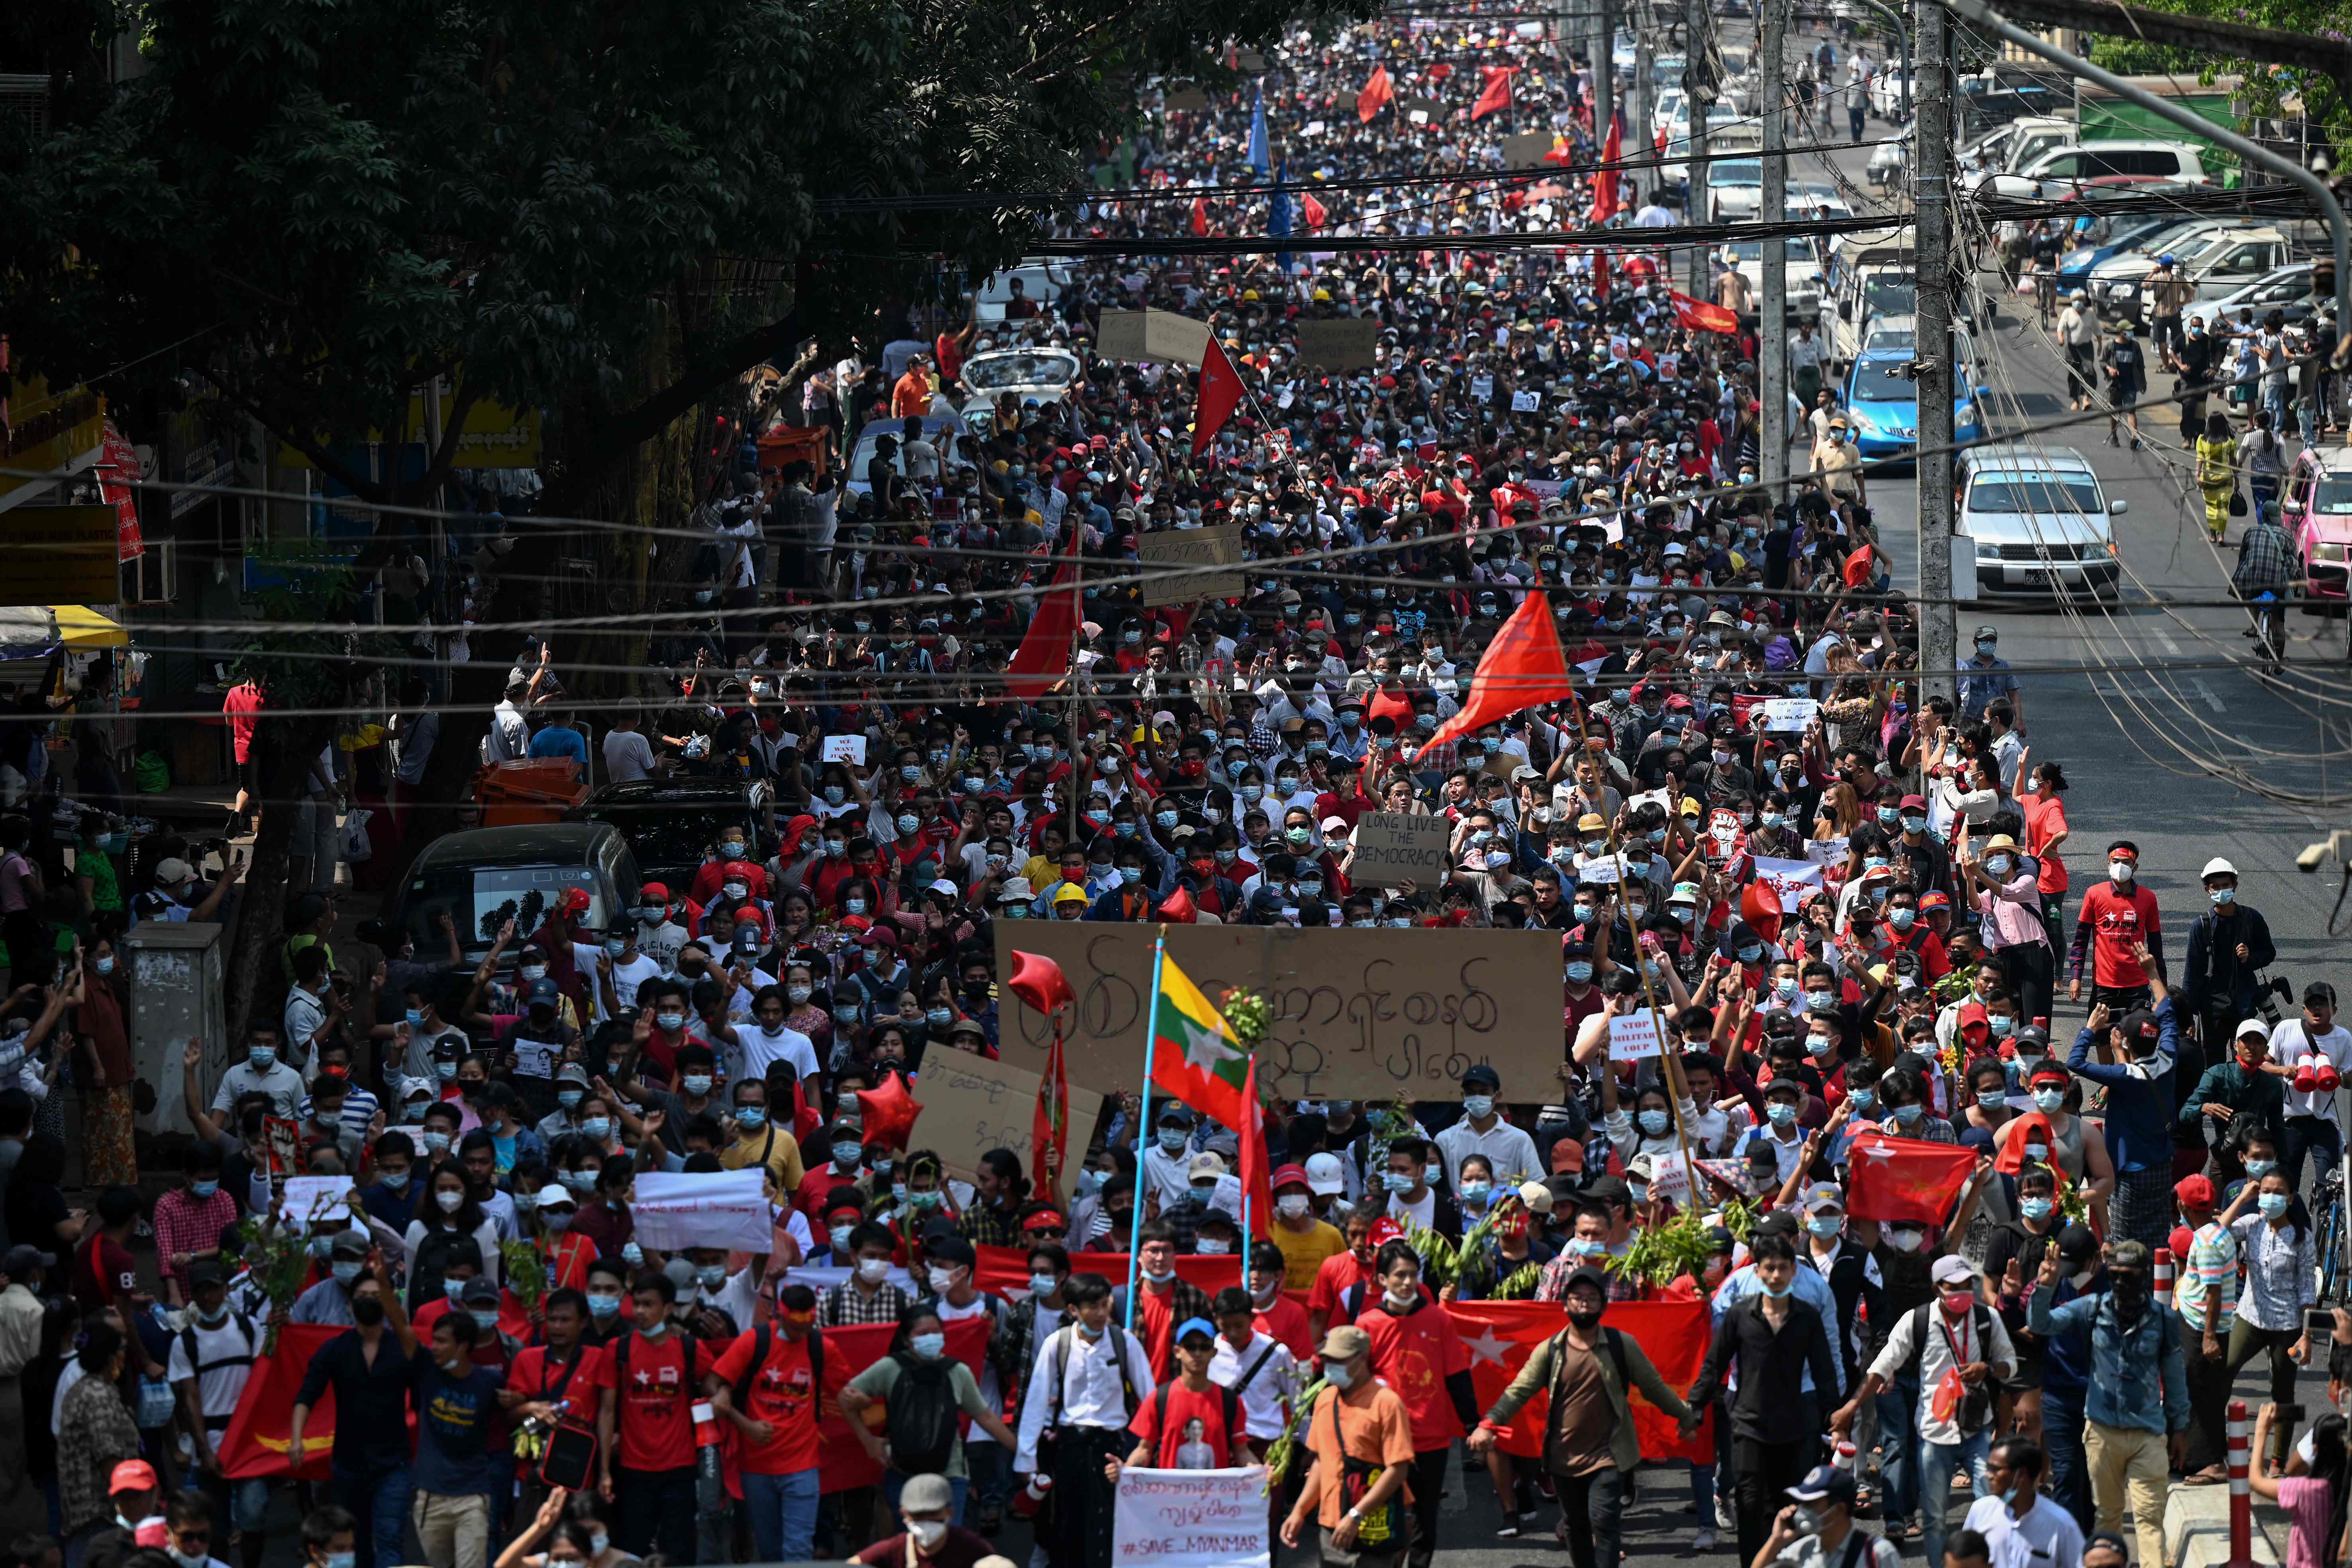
{"x": 1521, "y": 1287}
{"x": 1662, "y": 1253}
{"x": 2267, "y": 89}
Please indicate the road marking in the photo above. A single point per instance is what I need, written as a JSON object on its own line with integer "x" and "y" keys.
{"x": 2204, "y": 693}
{"x": 2164, "y": 640}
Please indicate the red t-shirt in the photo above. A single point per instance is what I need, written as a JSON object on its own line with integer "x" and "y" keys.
{"x": 243, "y": 701}
{"x": 1415, "y": 1354}
{"x": 654, "y": 1401}
{"x": 784, "y": 1394}
{"x": 1156, "y": 1325}
{"x": 2117, "y": 919}
{"x": 538, "y": 1374}
{"x": 1339, "y": 1273}
{"x": 2045, "y": 819}
{"x": 1286, "y": 1320}
{"x": 102, "y": 1271}
{"x": 1193, "y": 1417}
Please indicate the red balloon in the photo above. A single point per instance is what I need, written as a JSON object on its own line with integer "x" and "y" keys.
{"x": 889, "y": 1113}
{"x": 1039, "y": 981}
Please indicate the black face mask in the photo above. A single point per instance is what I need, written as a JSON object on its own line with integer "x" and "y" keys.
{"x": 2131, "y": 1293}
{"x": 368, "y": 1312}
{"x": 1583, "y": 1319}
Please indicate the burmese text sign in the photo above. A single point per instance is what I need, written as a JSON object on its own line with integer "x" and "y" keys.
{"x": 1191, "y": 1519}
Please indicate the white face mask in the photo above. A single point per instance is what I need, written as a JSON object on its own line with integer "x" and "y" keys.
{"x": 1293, "y": 1205}
{"x": 928, "y": 1533}
{"x": 873, "y": 1270}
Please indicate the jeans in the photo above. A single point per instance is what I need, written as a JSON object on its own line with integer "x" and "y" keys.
{"x": 992, "y": 1471}
{"x": 655, "y": 1507}
{"x": 2067, "y": 1481}
{"x": 1854, "y": 120}
{"x": 2262, "y": 495}
{"x": 454, "y": 1530}
{"x": 783, "y": 1514}
{"x": 1591, "y": 1507}
{"x": 2306, "y": 1135}
{"x": 2274, "y": 405}
{"x": 893, "y": 1483}
{"x": 1898, "y": 1469}
{"x": 1938, "y": 1463}
{"x": 380, "y": 1504}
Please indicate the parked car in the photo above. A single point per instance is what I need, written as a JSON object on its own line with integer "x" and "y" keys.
{"x": 483, "y": 876}
{"x": 2124, "y": 235}
{"x": 1888, "y": 92}
{"x": 2038, "y": 522}
{"x": 2009, "y": 147}
{"x": 1043, "y": 279}
{"x": 2120, "y": 286}
{"x": 2063, "y": 170}
{"x": 1031, "y": 375}
{"x": 2286, "y": 289}
{"x": 673, "y": 824}
{"x": 1735, "y": 189}
{"x": 2317, "y": 508}
{"x": 1802, "y": 271}
{"x": 947, "y": 432}
{"x": 1882, "y": 399}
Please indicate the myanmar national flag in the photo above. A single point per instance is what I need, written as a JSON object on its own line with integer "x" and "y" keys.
{"x": 1194, "y": 1056}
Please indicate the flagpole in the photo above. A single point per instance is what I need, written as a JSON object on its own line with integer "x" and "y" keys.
{"x": 1675, "y": 1090}
{"x": 1249, "y": 1077}
{"x": 1143, "y": 1127}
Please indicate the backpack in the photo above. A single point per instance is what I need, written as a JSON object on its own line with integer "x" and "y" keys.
{"x": 188, "y": 1343}
{"x": 923, "y": 1418}
{"x": 1128, "y": 1404}
{"x": 762, "y": 1338}
{"x": 1976, "y": 1408}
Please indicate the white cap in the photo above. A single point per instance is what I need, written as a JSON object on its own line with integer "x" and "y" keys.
{"x": 2252, "y": 1029}
{"x": 1323, "y": 1175}
{"x": 2217, "y": 866}
{"x": 1331, "y": 822}
{"x": 1954, "y": 1269}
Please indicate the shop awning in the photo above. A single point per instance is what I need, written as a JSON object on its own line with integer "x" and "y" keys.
{"x": 81, "y": 628}
{"x": 36, "y": 631}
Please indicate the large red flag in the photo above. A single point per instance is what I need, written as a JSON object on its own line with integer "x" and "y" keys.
{"x": 1522, "y": 667}
{"x": 1377, "y": 93}
{"x": 254, "y": 1446}
{"x": 1905, "y": 1179}
{"x": 1496, "y": 92}
{"x": 1004, "y": 1270}
{"x": 1257, "y": 1185}
{"x": 1200, "y": 215}
{"x": 1699, "y": 316}
{"x": 1604, "y": 178}
{"x": 1039, "y": 981}
{"x": 1221, "y": 393}
{"x": 1501, "y": 1335}
{"x": 1044, "y": 656}
{"x": 842, "y": 1464}
{"x": 1311, "y": 210}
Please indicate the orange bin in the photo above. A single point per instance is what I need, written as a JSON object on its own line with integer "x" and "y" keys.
{"x": 540, "y": 789}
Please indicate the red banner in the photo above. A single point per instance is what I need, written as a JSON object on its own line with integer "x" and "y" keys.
{"x": 842, "y": 1463}
{"x": 1004, "y": 1270}
{"x": 254, "y": 1443}
{"x": 1905, "y": 1179}
{"x": 1501, "y": 1335}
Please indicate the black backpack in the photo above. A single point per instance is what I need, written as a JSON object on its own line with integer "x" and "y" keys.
{"x": 923, "y": 1418}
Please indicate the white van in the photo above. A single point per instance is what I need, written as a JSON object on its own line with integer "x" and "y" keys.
{"x": 2061, "y": 172}
{"x": 2036, "y": 521}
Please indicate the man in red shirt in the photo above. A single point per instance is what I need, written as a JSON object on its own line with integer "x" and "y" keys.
{"x": 1166, "y": 1299}
{"x": 1416, "y": 1352}
{"x": 562, "y": 1377}
{"x": 1189, "y": 1423}
{"x": 769, "y": 1384}
{"x": 1272, "y": 1313}
{"x": 647, "y": 1387}
{"x": 2116, "y": 916}
{"x": 1343, "y": 1271}
{"x": 104, "y": 1273}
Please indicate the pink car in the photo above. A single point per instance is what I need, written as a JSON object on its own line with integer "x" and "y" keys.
{"x": 2318, "y": 508}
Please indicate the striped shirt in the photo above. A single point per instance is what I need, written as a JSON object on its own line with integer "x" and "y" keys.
{"x": 2278, "y": 1273}
{"x": 2207, "y": 1296}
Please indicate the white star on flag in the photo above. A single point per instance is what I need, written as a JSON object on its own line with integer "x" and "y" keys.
{"x": 1878, "y": 1151}
{"x": 1488, "y": 1346}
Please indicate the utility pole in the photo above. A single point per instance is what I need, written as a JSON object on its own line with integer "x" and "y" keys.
{"x": 1637, "y": 130}
{"x": 1605, "y": 72}
{"x": 1771, "y": 329}
{"x": 1698, "y": 23}
{"x": 1931, "y": 183}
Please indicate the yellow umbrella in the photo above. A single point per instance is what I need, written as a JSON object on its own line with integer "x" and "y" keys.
{"x": 83, "y": 628}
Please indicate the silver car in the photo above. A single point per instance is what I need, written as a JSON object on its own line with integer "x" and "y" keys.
{"x": 2038, "y": 522}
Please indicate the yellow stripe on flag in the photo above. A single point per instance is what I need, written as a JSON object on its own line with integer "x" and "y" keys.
{"x": 1177, "y": 990}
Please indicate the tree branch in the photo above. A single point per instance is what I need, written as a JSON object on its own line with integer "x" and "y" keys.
{"x": 617, "y": 436}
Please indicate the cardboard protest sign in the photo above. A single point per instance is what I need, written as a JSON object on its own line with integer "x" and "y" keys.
{"x": 703, "y": 1208}
{"x": 1527, "y": 150}
{"x": 537, "y": 1058}
{"x": 315, "y": 1201}
{"x": 1185, "y": 100}
{"x": 1192, "y": 1518}
{"x": 1349, "y": 343}
{"x": 1632, "y": 1036}
{"x": 1220, "y": 546}
{"x": 1392, "y": 846}
{"x": 1362, "y": 1015}
{"x": 1163, "y": 335}
{"x": 1791, "y": 879}
{"x": 971, "y": 1105}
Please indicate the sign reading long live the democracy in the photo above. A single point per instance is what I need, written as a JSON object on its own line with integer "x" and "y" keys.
{"x": 1192, "y": 1518}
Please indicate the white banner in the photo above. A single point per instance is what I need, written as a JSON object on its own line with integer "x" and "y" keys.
{"x": 321, "y": 1202}
{"x": 1790, "y": 879}
{"x": 1787, "y": 713}
{"x": 1192, "y": 1518}
{"x": 1825, "y": 851}
{"x": 1632, "y": 1036}
{"x": 704, "y": 1208}
{"x": 822, "y": 1276}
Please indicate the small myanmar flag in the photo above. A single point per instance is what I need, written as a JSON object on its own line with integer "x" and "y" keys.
{"x": 1194, "y": 1056}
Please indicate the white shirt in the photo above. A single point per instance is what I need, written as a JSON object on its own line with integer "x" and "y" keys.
{"x": 628, "y": 755}
{"x": 1935, "y": 1358}
{"x": 2047, "y": 1537}
{"x": 281, "y": 1083}
{"x": 217, "y": 1390}
{"x": 1264, "y": 1401}
{"x": 1509, "y": 1151}
{"x": 628, "y": 974}
{"x": 2293, "y": 1039}
{"x": 786, "y": 1045}
{"x": 1090, "y": 1393}
{"x": 734, "y": 1297}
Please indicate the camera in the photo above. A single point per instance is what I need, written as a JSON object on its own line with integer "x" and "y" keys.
{"x": 2269, "y": 997}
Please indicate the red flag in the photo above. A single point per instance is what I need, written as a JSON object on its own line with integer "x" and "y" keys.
{"x": 1501, "y": 1335}
{"x": 1004, "y": 1270}
{"x": 1496, "y": 94}
{"x": 1659, "y": 146}
{"x": 1200, "y": 215}
{"x": 1044, "y": 656}
{"x": 1905, "y": 1179}
{"x": 1039, "y": 982}
{"x": 1601, "y": 274}
{"x": 1701, "y": 317}
{"x": 1311, "y": 210}
{"x": 889, "y": 1113}
{"x": 1604, "y": 178}
{"x": 1377, "y": 92}
{"x": 1221, "y": 393}
{"x": 1257, "y": 1185}
{"x": 1522, "y": 667}
{"x": 254, "y": 1446}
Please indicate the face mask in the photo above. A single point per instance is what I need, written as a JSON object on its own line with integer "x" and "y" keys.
{"x": 1781, "y": 1112}
{"x": 1904, "y": 1240}
{"x": 873, "y": 1270}
{"x": 261, "y": 1058}
{"x": 1294, "y": 1206}
{"x": 1579, "y": 971}
{"x": 436, "y": 1142}
{"x": 2119, "y": 870}
{"x": 1779, "y": 1294}
{"x": 2257, "y": 1169}
{"x": 1862, "y": 1098}
{"x": 1654, "y": 1123}
{"x": 604, "y": 1307}
{"x": 449, "y": 1202}
{"x": 928, "y": 1533}
{"x": 597, "y": 1128}
{"x": 1173, "y": 1139}
{"x": 445, "y": 1071}
{"x": 673, "y": 1022}
{"x": 346, "y": 1272}
{"x": 1397, "y": 1181}
{"x": 1336, "y": 1373}
{"x": 2273, "y": 1205}
{"x": 697, "y": 1083}
{"x": 1909, "y": 1115}
{"x": 929, "y": 1200}
{"x": 853, "y": 906}
{"x": 2130, "y": 1290}
{"x": 2035, "y": 1208}
{"x": 534, "y": 971}
{"x": 1901, "y": 919}
{"x": 1991, "y": 1099}
{"x": 631, "y": 1253}
{"x": 1478, "y": 1104}
{"x": 1824, "y": 1224}
{"x": 485, "y": 1319}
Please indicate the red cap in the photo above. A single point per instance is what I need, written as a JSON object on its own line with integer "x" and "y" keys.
{"x": 1288, "y": 1176}
{"x": 132, "y": 1476}
{"x": 2194, "y": 1191}
{"x": 736, "y": 867}
{"x": 654, "y": 893}
{"x": 574, "y": 901}
{"x": 1566, "y": 1155}
{"x": 1044, "y": 1219}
